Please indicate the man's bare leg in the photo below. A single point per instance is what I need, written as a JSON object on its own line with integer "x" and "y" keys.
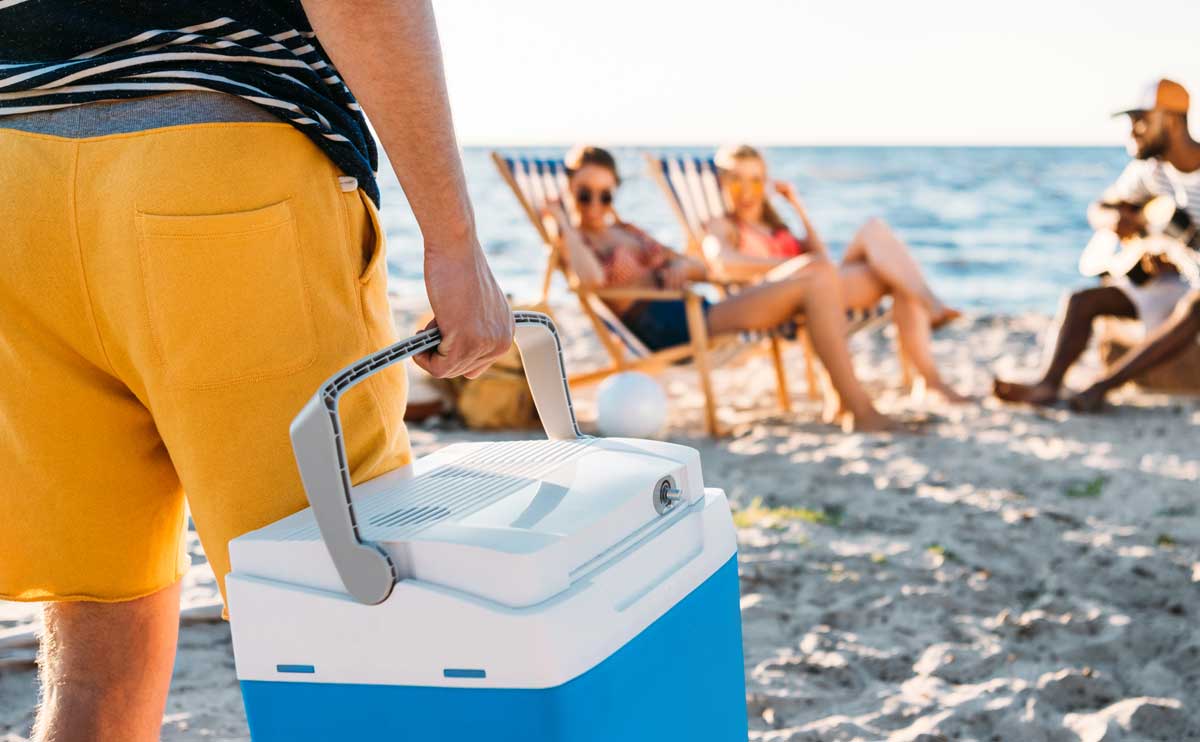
{"x": 1164, "y": 343}
{"x": 106, "y": 669}
{"x": 1083, "y": 307}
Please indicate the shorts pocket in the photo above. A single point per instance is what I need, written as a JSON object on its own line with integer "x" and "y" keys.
{"x": 225, "y": 294}
{"x": 373, "y": 239}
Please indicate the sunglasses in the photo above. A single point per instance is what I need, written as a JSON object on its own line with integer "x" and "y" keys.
{"x": 754, "y": 186}
{"x": 584, "y": 197}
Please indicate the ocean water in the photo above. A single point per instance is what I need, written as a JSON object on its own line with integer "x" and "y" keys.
{"x": 997, "y": 229}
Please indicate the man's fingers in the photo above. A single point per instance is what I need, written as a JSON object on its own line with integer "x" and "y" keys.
{"x": 484, "y": 360}
{"x": 443, "y": 366}
{"x": 483, "y": 363}
{"x": 433, "y": 364}
{"x": 449, "y": 365}
{"x": 466, "y": 355}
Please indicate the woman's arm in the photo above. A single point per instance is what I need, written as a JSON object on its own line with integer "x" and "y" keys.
{"x": 389, "y": 54}
{"x": 672, "y": 269}
{"x": 815, "y": 243}
{"x": 678, "y": 270}
{"x": 583, "y": 262}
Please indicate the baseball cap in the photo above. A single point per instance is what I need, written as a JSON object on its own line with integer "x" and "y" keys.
{"x": 1160, "y": 95}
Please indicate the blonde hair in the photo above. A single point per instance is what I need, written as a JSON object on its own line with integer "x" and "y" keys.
{"x": 725, "y": 160}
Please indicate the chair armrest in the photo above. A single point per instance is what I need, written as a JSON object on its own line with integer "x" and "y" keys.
{"x": 728, "y": 282}
{"x": 650, "y": 294}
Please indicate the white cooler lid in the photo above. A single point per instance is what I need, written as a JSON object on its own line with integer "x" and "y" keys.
{"x": 510, "y": 522}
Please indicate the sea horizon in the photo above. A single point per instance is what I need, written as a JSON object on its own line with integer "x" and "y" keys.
{"x": 997, "y": 228}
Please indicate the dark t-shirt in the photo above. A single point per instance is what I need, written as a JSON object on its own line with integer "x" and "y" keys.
{"x": 55, "y": 53}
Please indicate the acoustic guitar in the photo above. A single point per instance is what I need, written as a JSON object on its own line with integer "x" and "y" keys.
{"x": 1169, "y": 234}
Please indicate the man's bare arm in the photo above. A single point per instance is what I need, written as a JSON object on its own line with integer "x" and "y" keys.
{"x": 389, "y": 55}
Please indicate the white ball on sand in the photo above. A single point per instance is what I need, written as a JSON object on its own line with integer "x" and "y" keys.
{"x": 630, "y": 405}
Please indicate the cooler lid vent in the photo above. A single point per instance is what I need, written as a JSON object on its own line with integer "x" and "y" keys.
{"x": 452, "y": 491}
{"x": 410, "y": 516}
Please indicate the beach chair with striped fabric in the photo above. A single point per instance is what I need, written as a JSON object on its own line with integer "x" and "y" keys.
{"x": 693, "y": 189}
{"x": 534, "y": 182}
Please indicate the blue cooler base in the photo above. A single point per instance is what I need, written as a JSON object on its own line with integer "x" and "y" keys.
{"x": 680, "y": 679}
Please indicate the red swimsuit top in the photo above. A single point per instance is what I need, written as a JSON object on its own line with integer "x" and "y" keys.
{"x": 781, "y": 244}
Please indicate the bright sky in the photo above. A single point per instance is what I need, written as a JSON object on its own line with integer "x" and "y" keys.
{"x": 807, "y": 72}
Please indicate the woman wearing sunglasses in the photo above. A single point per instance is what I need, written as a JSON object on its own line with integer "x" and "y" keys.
{"x": 605, "y": 252}
{"x": 753, "y": 242}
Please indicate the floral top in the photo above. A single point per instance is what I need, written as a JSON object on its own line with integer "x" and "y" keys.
{"x": 636, "y": 264}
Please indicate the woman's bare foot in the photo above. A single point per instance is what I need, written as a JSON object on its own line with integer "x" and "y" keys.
{"x": 944, "y": 317}
{"x": 833, "y": 412}
{"x": 1041, "y": 394}
{"x": 871, "y": 422}
{"x": 950, "y": 396}
{"x": 1089, "y": 400}
{"x": 922, "y": 389}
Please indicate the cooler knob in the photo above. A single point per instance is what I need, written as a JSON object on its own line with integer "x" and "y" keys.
{"x": 666, "y": 494}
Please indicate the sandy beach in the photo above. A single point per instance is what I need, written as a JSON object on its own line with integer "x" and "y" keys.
{"x": 1009, "y": 574}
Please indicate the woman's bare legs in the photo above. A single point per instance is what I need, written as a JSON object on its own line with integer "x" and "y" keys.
{"x": 915, "y": 335}
{"x": 890, "y": 260}
{"x": 816, "y": 291}
{"x": 861, "y": 287}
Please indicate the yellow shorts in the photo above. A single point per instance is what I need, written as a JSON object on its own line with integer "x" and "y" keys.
{"x": 169, "y": 299}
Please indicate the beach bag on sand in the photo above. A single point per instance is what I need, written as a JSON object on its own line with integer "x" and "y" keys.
{"x": 498, "y": 399}
{"x": 563, "y": 589}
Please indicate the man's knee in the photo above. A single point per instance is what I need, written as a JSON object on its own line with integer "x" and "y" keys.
{"x": 1076, "y": 301}
{"x": 1093, "y": 302}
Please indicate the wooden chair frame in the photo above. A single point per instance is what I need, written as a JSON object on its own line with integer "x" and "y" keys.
{"x": 533, "y": 182}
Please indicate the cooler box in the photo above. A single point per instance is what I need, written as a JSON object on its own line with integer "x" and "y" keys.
{"x": 564, "y": 590}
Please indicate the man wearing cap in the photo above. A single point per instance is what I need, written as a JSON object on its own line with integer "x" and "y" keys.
{"x": 1166, "y": 162}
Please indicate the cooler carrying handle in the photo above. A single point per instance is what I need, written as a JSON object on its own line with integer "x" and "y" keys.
{"x": 364, "y": 567}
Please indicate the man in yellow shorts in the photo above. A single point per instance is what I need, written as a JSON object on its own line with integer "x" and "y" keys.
{"x": 189, "y": 246}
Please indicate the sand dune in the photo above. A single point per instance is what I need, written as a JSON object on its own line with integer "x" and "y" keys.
{"x": 1010, "y": 574}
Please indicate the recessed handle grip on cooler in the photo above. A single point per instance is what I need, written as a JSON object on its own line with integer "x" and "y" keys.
{"x": 365, "y": 568}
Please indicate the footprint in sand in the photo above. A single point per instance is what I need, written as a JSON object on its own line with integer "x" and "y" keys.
{"x": 1078, "y": 690}
{"x": 959, "y": 664}
{"x": 1143, "y": 719}
{"x": 820, "y": 673}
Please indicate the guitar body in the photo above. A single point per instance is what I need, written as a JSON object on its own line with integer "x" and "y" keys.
{"x": 1169, "y": 234}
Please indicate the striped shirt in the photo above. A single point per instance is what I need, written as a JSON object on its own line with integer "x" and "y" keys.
{"x": 59, "y": 53}
{"x": 1142, "y": 180}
